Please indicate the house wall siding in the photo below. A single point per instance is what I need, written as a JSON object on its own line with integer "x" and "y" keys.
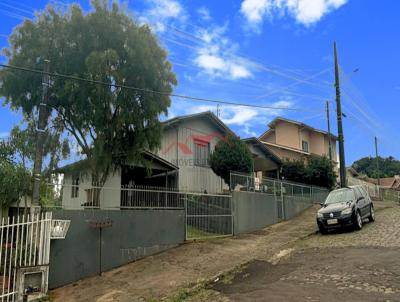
{"x": 110, "y": 198}
{"x": 287, "y": 135}
{"x": 177, "y": 146}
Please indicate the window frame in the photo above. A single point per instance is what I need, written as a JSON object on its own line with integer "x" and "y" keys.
{"x": 198, "y": 159}
{"x": 305, "y": 143}
{"x": 75, "y": 187}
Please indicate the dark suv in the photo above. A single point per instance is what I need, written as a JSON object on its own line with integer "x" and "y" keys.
{"x": 345, "y": 207}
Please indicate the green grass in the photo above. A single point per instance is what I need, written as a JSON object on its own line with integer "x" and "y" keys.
{"x": 193, "y": 232}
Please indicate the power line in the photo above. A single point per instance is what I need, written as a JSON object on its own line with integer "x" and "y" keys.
{"x": 296, "y": 83}
{"x": 75, "y": 78}
{"x": 16, "y": 8}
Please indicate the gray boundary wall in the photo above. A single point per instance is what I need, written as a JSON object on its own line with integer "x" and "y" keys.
{"x": 294, "y": 205}
{"x": 134, "y": 234}
{"x": 253, "y": 211}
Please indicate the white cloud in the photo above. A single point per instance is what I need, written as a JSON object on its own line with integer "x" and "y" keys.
{"x": 242, "y": 119}
{"x": 305, "y": 12}
{"x": 210, "y": 62}
{"x": 204, "y": 13}
{"x": 215, "y": 57}
{"x": 161, "y": 11}
{"x": 238, "y": 71}
{"x": 165, "y": 8}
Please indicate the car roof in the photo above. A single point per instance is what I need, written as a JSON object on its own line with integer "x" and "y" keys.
{"x": 342, "y": 189}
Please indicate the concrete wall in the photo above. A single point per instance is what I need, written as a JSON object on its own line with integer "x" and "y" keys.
{"x": 253, "y": 211}
{"x": 293, "y": 206}
{"x": 134, "y": 234}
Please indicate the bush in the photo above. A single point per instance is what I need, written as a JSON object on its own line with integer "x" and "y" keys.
{"x": 318, "y": 171}
{"x": 231, "y": 154}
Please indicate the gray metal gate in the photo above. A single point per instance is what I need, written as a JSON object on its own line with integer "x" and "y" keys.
{"x": 208, "y": 216}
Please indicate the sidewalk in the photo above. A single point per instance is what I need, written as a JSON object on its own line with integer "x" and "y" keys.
{"x": 163, "y": 274}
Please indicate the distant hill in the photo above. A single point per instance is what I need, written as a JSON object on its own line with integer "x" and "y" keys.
{"x": 388, "y": 167}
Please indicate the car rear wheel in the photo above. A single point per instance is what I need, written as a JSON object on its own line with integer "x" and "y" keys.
{"x": 371, "y": 216}
{"x": 358, "y": 223}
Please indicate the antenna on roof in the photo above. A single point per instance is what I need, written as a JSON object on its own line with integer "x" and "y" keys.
{"x": 218, "y": 110}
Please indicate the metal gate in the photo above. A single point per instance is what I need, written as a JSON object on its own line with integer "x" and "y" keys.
{"x": 208, "y": 216}
{"x": 25, "y": 254}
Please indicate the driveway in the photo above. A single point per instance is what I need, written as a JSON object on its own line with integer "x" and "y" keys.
{"x": 345, "y": 266}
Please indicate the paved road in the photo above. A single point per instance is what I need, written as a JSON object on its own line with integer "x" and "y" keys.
{"x": 345, "y": 266}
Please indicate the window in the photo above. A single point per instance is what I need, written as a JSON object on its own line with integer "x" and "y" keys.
{"x": 304, "y": 146}
{"x": 75, "y": 187}
{"x": 341, "y": 195}
{"x": 201, "y": 153}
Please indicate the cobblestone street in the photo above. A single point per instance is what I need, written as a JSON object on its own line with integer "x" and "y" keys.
{"x": 346, "y": 266}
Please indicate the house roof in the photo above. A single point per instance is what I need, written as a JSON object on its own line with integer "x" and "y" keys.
{"x": 264, "y": 148}
{"x": 84, "y": 163}
{"x": 390, "y": 182}
{"x": 206, "y": 114}
{"x": 272, "y": 124}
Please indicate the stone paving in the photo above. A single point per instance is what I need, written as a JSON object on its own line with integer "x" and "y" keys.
{"x": 384, "y": 232}
{"x": 346, "y": 265}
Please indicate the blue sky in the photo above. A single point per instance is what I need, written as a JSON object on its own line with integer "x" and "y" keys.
{"x": 275, "y": 53}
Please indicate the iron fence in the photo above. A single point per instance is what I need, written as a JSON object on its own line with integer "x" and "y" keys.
{"x": 85, "y": 196}
{"x": 208, "y": 216}
{"x": 244, "y": 182}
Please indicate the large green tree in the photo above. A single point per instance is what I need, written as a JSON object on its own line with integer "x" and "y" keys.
{"x": 106, "y": 44}
{"x": 231, "y": 155}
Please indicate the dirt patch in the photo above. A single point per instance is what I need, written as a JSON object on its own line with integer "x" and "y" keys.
{"x": 351, "y": 274}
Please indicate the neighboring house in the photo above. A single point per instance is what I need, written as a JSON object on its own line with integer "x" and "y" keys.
{"x": 386, "y": 182}
{"x": 390, "y": 182}
{"x": 290, "y": 139}
{"x": 265, "y": 162}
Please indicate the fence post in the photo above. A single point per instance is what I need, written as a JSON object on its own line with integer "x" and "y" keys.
{"x": 186, "y": 216}
{"x": 283, "y": 209}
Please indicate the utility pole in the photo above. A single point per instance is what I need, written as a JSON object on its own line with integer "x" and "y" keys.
{"x": 377, "y": 161}
{"x": 329, "y": 130}
{"x": 40, "y": 136}
{"x": 343, "y": 182}
{"x": 218, "y": 110}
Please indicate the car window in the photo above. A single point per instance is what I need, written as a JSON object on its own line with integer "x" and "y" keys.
{"x": 363, "y": 191}
{"x": 358, "y": 192}
{"x": 340, "y": 196}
